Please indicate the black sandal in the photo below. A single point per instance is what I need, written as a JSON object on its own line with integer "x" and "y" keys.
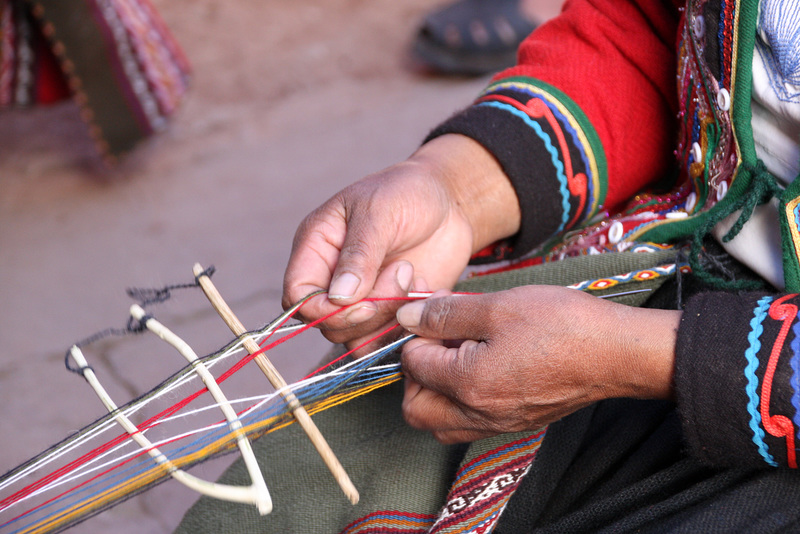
{"x": 471, "y": 37}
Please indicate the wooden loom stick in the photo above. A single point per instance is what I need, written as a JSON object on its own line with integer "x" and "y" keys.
{"x": 277, "y": 381}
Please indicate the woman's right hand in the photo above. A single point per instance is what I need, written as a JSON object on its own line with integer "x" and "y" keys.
{"x": 413, "y": 225}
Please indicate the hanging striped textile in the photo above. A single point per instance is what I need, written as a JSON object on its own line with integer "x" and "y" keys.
{"x": 116, "y": 58}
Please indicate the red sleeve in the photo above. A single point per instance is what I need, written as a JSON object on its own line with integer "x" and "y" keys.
{"x": 586, "y": 119}
{"x": 617, "y": 61}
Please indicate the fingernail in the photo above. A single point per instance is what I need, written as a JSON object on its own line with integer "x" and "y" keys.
{"x": 410, "y": 315}
{"x": 361, "y": 314}
{"x": 344, "y": 287}
{"x": 404, "y": 274}
{"x": 420, "y": 285}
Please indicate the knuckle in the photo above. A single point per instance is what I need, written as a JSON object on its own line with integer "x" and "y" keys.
{"x": 335, "y": 336}
{"x": 336, "y": 331}
{"x": 411, "y": 415}
{"x": 356, "y": 250}
{"x": 436, "y": 315}
{"x": 476, "y": 400}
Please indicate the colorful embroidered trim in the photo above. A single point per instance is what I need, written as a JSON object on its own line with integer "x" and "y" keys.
{"x": 793, "y": 219}
{"x": 708, "y": 149}
{"x": 775, "y": 425}
{"x": 554, "y": 158}
{"x": 633, "y": 276}
{"x": 533, "y": 100}
{"x": 751, "y": 355}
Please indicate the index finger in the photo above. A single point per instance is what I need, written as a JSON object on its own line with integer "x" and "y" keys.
{"x": 445, "y": 370}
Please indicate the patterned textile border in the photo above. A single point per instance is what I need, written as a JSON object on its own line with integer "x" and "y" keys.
{"x": 634, "y": 276}
{"x": 117, "y": 58}
{"x": 481, "y": 490}
{"x": 479, "y": 494}
{"x": 484, "y": 485}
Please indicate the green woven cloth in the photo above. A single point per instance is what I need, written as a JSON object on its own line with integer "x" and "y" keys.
{"x": 395, "y": 467}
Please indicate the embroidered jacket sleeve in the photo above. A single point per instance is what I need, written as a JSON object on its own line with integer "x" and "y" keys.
{"x": 587, "y": 117}
{"x": 738, "y": 378}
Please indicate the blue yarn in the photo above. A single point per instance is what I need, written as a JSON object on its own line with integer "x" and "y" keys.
{"x": 795, "y": 362}
{"x": 721, "y": 44}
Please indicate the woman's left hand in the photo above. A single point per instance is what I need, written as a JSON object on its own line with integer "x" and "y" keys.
{"x": 520, "y": 359}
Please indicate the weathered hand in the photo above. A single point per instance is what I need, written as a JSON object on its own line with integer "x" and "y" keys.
{"x": 413, "y": 224}
{"x": 519, "y": 359}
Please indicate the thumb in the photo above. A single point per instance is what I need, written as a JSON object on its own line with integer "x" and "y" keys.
{"x": 445, "y": 316}
{"x": 360, "y": 259}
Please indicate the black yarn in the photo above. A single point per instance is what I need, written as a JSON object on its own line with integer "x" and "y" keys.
{"x": 144, "y": 297}
{"x": 134, "y": 326}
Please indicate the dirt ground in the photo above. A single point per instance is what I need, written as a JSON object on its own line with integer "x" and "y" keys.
{"x": 290, "y": 101}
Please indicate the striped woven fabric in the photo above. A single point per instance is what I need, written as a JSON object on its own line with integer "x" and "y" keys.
{"x": 116, "y": 58}
{"x": 391, "y": 523}
{"x": 483, "y": 485}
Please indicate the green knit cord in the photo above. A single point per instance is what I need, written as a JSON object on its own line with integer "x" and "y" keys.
{"x": 762, "y": 188}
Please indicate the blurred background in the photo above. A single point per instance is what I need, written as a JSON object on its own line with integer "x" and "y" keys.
{"x": 289, "y": 102}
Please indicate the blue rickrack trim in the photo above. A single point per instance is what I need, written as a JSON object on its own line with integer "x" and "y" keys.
{"x": 795, "y": 382}
{"x": 751, "y": 354}
{"x": 554, "y": 156}
{"x": 634, "y": 230}
{"x": 535, "y": 92}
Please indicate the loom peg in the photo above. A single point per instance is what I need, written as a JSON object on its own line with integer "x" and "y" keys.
{"x": 278, "y": 382}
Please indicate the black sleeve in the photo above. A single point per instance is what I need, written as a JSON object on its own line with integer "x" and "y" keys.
{"x": 736, "y": 378}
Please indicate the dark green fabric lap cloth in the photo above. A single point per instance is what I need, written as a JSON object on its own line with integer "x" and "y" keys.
{"x": 381, "y": 453}
{"x": 409, "y": 482}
